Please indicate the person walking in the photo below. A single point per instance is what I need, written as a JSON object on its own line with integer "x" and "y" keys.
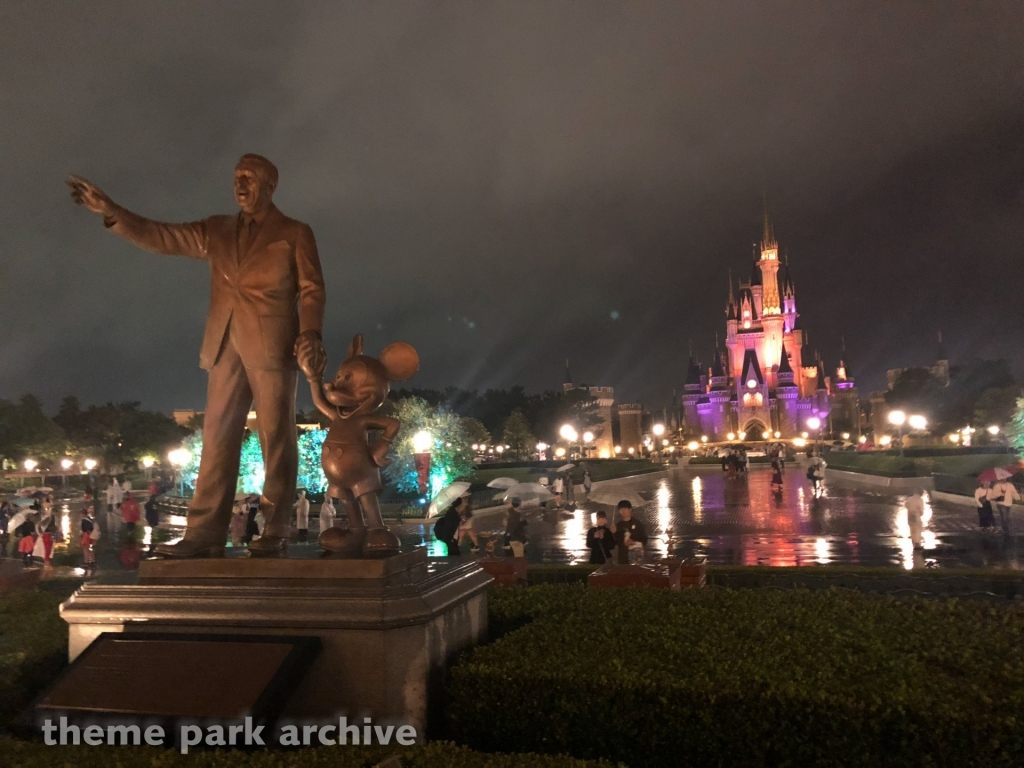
{"x": 915, "y": 516}
{"x": 151, "y": 511}
{"x": 446, "y": 531}
{"x": 588, "y": 482}
{"x": 776, "y": 475}
{"x": 114, "y": 497}
{"x": 130, "y": 513}
{"x": 26, "y": 533}
{"x": 90, "y": 534}
{"x": 466, "y": 529}
{"x": 557, "y": 489}
{"x": 327, "y": 514}
{"x": 252, "y": 530}
{"x": 1006, "y": 494}
{"x": 600, "y": 541}
{"x": 239, "y": 519}
{"x": 43, "y": 548}
{"x": 515, "y": 528}
{"x": 986, "y": 517}
{"x": 630, "y": 535}
{"x": 302, "y": 515}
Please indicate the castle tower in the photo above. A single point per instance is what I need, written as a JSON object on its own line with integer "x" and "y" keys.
{"x": 788, "y": 297}
{"x": 772, "y": 319}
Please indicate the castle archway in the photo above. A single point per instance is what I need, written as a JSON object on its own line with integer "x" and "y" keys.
{"x": 755, "y": 429}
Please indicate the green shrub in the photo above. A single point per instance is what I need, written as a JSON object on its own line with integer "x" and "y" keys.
{"x": 20, "y": 754}
{"x": 746, "y": 678}
{"x": 33, "y": 645}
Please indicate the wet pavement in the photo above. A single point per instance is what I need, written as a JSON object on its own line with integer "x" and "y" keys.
{"x": 740, "y": 521}
{"x": 731, "y": 521}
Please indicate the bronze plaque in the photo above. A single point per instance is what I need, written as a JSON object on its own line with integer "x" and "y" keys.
{"x": 168, "y": 675}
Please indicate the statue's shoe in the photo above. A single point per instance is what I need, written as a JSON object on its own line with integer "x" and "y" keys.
{"x": 190, "y": 549}
{"x": 268, "y": 546}
{"x": 380, "y": 542}
{"x": 342, "y": 541}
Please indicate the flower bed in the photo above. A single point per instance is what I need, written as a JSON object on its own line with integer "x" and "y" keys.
{"x": 746, "y": 678}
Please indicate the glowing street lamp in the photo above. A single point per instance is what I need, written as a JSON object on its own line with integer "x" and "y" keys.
{"x": 731, "y": 436}
{"x": 814, "y": 422}
{"x": 568, "y": 433}
{"x": 766, "y": 434}
{"x": 588, "y": 437}
{"x": 30, "y": 464}
{"x": 90, "y": 464}
{"x": 917, "y": 422}
{"x": 618, "y": 449}
{"x": 693, "y": 445}
{"x": 743, "y": 435}
{"x": 993, "y": 430}
{"x": 422, "y": 442}
{"x": 560, "y": 452}
{"x": 897, "y": 418}
{"x": 632, "y": 450}
{"x": 66, "y": 464}
{"x": 954, "y": 437}
{"x": 703, "y": 438}
{"x": 179, "y": 457}
{"x": 658, "y": 430}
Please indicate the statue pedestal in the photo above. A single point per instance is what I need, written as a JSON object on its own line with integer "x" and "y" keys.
{"x": 388, "y": 627}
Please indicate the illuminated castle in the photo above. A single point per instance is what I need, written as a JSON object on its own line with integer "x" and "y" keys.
{"x": 764, "y": 382}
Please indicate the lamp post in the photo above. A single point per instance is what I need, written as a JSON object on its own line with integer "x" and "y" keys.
{"x": 658, "y": 430}
{"x": 588, "y": 438}
{"x": 422, "y": 442}
{"x": 65, "y": 464}
{"x": 814, "y": 423}
{"x": 179, "y": 457}
{"x": 541, "y": 447}
{"x": 898, "y": 419}
{"x": 568, "y": 434}
{"x": 147, "y": 464}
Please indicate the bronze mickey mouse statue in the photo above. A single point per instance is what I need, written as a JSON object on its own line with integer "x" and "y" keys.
{"x": 352, "y": 466}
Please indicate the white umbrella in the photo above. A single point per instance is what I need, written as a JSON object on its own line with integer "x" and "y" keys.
{"x": 446, "y": 497}
{"x": 1002, "y": 474}
{"x": 528, "y": 492}
{"x": 565, "y": 468}
{"x": 612, "y": 496}
{"x": 17, "y": 519}
{"x": 502, "y": 482}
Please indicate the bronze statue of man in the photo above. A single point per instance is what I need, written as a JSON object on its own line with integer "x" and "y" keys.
{"x": 266, "y": 310}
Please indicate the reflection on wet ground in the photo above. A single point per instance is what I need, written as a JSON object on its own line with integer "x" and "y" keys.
{"x": 740, "y": 521}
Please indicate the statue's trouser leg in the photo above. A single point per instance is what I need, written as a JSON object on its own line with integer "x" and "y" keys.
{"x": 228, "y": 398}
{"x": 370, "y": 505}
{"x": 353, "y": 513}
{"x": 274, "y": 397}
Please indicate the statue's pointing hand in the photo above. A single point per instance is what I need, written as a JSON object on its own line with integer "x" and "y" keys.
{"x": 310, "y": 354}
{"x": 87, "y": 194}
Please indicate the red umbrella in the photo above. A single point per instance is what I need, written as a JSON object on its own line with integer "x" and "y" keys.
{"x": 995, "y": 474}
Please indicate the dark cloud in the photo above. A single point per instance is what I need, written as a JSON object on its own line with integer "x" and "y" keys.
{"x": 524, "y": 169}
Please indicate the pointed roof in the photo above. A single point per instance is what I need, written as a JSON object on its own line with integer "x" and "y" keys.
{"x": 693, "y": 372}
{"x": 768, "y": 234}
{"x": 821, "y": 375}
{"x": 842, "y": 360}
{"x": 787, "y": 278}
{"x": 751, "y": 369}
{"x": 784, "y": 366}
{"x": 568, "y": 378}
{"x": 717, "y": 368}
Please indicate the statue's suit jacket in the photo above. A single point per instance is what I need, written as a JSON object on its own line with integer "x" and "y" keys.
{"x": 270, "y": 293}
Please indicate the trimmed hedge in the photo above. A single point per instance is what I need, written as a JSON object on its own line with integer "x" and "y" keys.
{"x": 20, "y": 754}
{"x": 745, "y": 678}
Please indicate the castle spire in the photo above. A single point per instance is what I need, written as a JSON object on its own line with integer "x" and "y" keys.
{"x": 768, "y": 234}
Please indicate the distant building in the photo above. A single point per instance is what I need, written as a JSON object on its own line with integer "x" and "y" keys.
{"x": 940, "y": 370}
{"x": 605, "y": 399}
{"x": 630, "y": 417}
{"x": 765, "y": 380}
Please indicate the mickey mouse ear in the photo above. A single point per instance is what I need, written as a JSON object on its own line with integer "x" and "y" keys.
{"x": 400, "y": 361}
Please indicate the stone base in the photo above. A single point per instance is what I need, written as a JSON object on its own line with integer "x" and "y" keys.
{"x": 507, "y": 571}
{"x": 389, "y": 627}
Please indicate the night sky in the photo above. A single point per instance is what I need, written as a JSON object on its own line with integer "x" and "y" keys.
{"x": 507, "y": 185}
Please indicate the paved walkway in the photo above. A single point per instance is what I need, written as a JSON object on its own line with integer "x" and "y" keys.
{"x": 730, "y": 521}
{"x": 742, "y": 522}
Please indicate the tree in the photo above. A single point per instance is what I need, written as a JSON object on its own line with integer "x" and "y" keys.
{"x": 27, "y": 432}
{"x": 517, "y": 435}
{"x": 475, "y": 431}
{"x": 311, "y": 470}
{"x": 1014, "y": 429}
{"x": 996, "y": 405}
{"x": 118, "y": 434}
{"x": 450, "y": 455}
{"x": 575, "y": 407}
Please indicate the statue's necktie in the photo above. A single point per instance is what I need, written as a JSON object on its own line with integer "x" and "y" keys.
{"x": 245, "y": 236}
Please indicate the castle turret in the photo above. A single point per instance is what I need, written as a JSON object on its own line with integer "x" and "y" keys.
{"x": 788, "y": 297}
